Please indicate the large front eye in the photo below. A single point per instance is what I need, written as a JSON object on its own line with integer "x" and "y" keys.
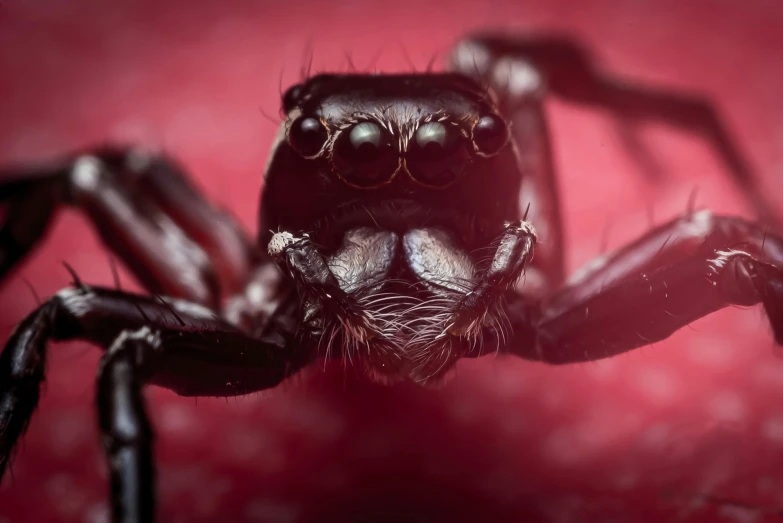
{"x": 364, "y": 156}
{"x": 307, "y": 136}
{"x": 437, "y": 154}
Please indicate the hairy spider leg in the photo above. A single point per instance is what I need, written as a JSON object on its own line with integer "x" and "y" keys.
{"x": 640, "y": 294}
{"x": 300, "y": 258}
{"x": 168, "y": 342}
{"x": 513, "y": 250}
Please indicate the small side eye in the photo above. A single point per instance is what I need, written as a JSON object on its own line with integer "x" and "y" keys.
{"x": 437, "y": 154}
{"x": 307, "y": 136}
{"x": 291, "y": 97}
{"x": 364, "y": 156}
{"x": 490, "y": 134}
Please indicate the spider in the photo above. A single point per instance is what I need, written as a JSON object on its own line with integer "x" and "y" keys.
{"x": 407, "y": 221}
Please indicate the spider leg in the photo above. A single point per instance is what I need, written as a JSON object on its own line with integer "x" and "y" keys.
{"x": 266, "y": 291}
{"x": 675, "y": 274}
{"x": 698, "y": 116}
{"x": 300, "y": 257}
{"x": 514, "y": 249}
{"x": 168, "y": 342}
{"x": 649, "y": 163}
{"x": 520, "y": 89}
{"x": 567, "y": 70}
{"x": 144, "y": 209}
{"x": 125, "y": 428}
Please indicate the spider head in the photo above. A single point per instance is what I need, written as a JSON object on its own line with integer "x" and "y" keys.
{"x": 402, "y": 182}
{"x": 370, "y": 130}
{"x": 361, "y": 144}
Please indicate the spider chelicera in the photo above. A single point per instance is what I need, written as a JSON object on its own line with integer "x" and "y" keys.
{"x": 399, "y": 225}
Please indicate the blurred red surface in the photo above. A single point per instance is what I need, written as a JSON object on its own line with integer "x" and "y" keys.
{"x": 659, "y": 434}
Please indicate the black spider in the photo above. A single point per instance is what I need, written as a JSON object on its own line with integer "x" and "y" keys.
{"x": 397, "y": 208}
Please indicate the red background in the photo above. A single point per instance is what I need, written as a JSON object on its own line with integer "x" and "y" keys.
{"x": 648, "y": 436}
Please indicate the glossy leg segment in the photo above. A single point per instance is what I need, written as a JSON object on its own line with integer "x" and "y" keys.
{"x": 696, "y": 234}
{"x": 125, "y": 429}
{"x": 145, "y": 210}
{"x": 194, "y": 353}
{"x": 643, "y": 293}
{"x": 566, "y": 69}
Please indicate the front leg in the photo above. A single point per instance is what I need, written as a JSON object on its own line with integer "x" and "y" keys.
{"x": 514, "y": 249}
{"x": 331, "y": 287}
{"x": 172, "y": 343}
{"x": 643, "y": 293}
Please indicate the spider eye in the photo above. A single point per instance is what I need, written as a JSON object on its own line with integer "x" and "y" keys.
{"x": 490, "y": 134}
{"x": 307, "y": 136}
{"x": 364, "y": 156}
{"x": 437, "y": 154}
{"x": 291, "y": 97}
{"x": 435, "y": 140}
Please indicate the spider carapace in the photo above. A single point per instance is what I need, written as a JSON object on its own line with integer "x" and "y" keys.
{"x": 407, "y": 221}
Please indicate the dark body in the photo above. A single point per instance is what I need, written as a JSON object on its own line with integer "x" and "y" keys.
{"x": 388, "y": 231}
{"x": 406, "y": 222}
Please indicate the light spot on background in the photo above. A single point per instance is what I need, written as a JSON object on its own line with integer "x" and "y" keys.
{"x": 179, "y": 420}
{"x": 271, "y": 511}
{"x": 658, "y": 384}
{"x": 772, "y": 429}
{"x": 98, "y": 513}
{"x": 712, "y": 351}
{"x": 63, "y": 493}
{"x": 727, "y": 406}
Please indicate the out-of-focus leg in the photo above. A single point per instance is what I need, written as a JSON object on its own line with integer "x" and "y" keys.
{"x": 567, "y": 70}
{"x": 144, "y": 209}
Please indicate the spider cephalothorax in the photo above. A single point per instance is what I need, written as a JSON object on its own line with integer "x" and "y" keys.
{"x": 371, "y": 139}
{"x": 394, "y": 234}
{"x": 380, "y": 163}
